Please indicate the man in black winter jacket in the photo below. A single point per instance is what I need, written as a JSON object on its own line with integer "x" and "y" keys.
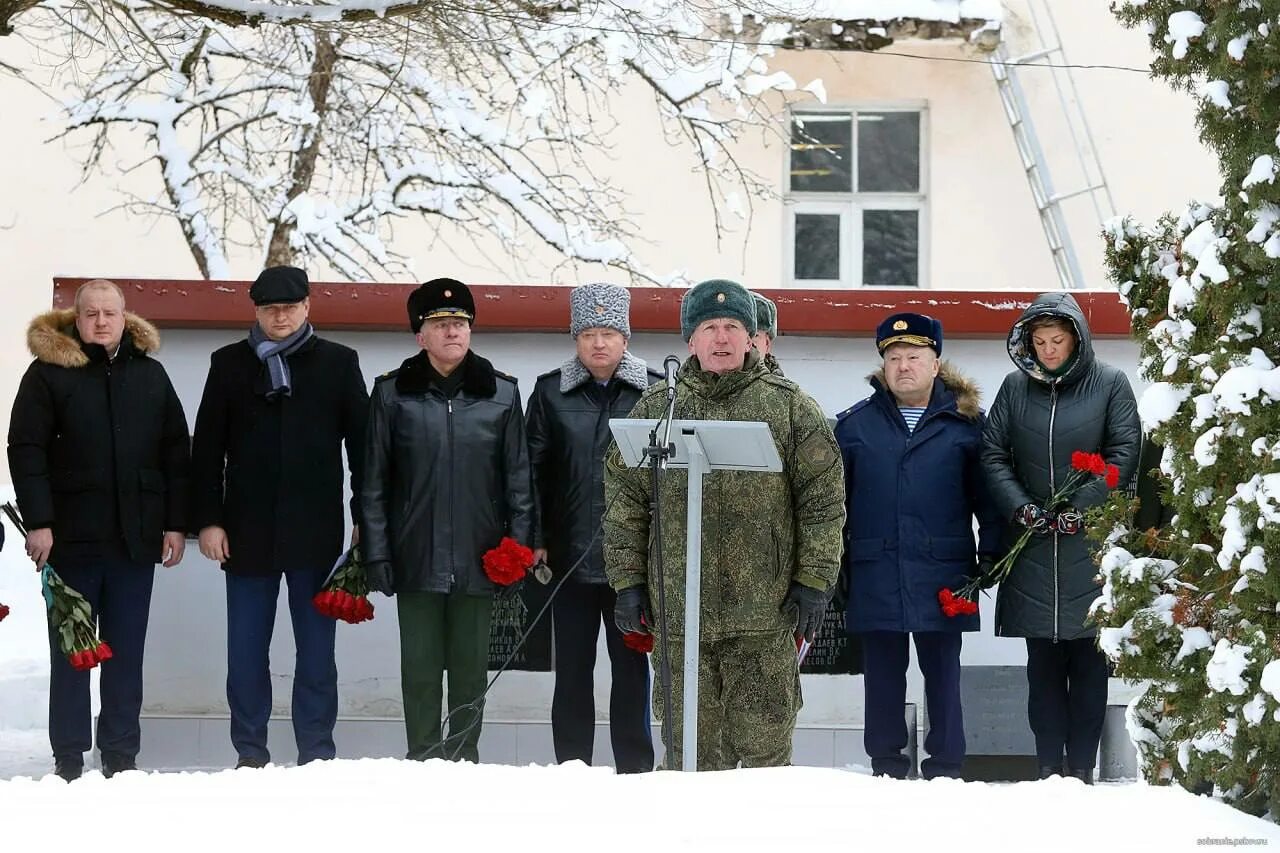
{"x": 267, "y": 485}
{"x": 446, "y": 478}
{"x": 568, "y": 428}
{"x": 99, "y": 454}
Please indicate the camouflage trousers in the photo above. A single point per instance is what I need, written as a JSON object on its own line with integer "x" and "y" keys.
{"x": 748, "y": 698}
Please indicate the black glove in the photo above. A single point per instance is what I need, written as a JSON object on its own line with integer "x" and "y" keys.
{"x": 810, "y": 604}
{"x": 380, "y": 577}
{"x": 986, "y": 565}
{"x": 506, "y": 592}
{"x": 1070, "y": 521}
{"x": 1034, "y": 519}
{"x": 631, "y": 611}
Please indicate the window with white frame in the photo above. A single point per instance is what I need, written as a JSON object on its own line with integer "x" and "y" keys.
{"x": 856, "y": 202}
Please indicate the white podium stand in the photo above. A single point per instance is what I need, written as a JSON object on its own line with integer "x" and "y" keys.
{"x": 701, "y": 447}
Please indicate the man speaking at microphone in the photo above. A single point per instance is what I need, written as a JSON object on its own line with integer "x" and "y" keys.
{"x": 770, "y": 542}
{"x": 568, "y": 432}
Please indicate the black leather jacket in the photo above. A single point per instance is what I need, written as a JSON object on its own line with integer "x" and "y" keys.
{"x": 445, "y": 477}
{"x": 568, "y": 427}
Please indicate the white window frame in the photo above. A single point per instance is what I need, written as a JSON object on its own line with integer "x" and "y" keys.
{"x": 850, "y": 205}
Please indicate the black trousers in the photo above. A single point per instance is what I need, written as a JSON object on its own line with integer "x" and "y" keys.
{"x": 577, "y": 610}
{"x": 884, "y": 674}
{"x": 1067, "y": 700}
{"x": 119, "y": 594}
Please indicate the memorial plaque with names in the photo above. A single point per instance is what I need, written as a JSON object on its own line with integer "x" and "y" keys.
{"x": 511, "y": 618}
{"x": 833, "y": 652}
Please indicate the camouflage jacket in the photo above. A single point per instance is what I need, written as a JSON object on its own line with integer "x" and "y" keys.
{"x": 759, "y": 531}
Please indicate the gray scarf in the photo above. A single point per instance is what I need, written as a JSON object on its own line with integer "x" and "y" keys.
{"x": 273, "y": 355}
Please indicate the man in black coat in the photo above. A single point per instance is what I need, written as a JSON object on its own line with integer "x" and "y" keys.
{"x": 446, "y": 478}
{"x": 267, "y": 501}
{"x": 98, "y": 450}
{"x": 568, "y": 427}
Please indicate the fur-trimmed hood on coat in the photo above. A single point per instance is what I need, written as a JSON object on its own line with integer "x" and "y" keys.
{"x": 52, "y": 337}
{"x": 968, "y": 395}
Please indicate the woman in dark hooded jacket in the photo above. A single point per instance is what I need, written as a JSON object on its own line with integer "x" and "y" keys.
{"x": 1059, "y": 400}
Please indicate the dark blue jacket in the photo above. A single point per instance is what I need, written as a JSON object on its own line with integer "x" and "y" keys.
{"x": 911, "y": 500}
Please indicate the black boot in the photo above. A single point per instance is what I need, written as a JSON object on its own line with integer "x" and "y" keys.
{"x": 250, "y": 764}
{"x": 113, "y": 764}
{"x": 68, "y": 769}
{"x": 1047, "y": 770}
{"x": 1085, "y": 776}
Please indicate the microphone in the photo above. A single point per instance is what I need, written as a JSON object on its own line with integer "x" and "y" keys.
{"x": 671, "y": 365}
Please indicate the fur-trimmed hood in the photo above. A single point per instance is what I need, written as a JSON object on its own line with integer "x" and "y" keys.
{"x": 968, "y": 395}
{"x": 52, "y": 337}
{"x": 632, "y": 370}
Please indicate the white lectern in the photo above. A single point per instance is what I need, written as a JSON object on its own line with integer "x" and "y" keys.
{"x": 701, "y": 447}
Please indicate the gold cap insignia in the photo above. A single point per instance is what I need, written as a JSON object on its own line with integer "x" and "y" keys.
{"x": 897, "y": 327}
{"x": 599, "y": 309}
{"x": 719, "y": 297}
{"x": 449, "y": 294}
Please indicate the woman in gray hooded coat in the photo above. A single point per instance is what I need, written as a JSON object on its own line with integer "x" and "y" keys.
{"x": 1060, "y": 399}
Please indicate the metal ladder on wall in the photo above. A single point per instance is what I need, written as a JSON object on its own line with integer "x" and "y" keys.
{"x": 1035, "y": 165}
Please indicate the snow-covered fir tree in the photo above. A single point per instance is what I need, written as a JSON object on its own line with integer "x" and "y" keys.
{"x": 1193, "y": 608}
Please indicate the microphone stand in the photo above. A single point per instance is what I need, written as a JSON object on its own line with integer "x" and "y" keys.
{"x": 658, "y": 454}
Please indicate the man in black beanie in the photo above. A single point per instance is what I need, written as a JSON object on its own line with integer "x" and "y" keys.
{"x": 267, "y": 501}
{"x": 446, "y": 478}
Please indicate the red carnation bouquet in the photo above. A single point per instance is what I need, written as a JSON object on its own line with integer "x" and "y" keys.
{"x": 345, "y": 594}
{"x": 69, "y": 613}
{"x": 964, "y": 601}
{"x": 507, "y": 563}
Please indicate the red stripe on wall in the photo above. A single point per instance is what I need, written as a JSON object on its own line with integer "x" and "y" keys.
{"x": 199, "y": 304}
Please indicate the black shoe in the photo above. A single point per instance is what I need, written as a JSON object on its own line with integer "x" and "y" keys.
{"x": 250, "y": 763}
{"x": 1085, "y": 776}
{"x": 1047, "y": 770}
{"x": 117, "y": 764}
{"x": 68, "y": 771}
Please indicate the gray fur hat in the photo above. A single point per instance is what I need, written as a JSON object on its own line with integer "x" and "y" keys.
{"x": 600, "y": 305}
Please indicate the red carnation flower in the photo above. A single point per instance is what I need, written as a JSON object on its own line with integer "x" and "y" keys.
{"x": 1080, "y": 461}
{"x": 103, "y": 652}
{"x": 1113, "y": 476}
{"x": 955, "y": 605}
{"x": 4, "y": 611}
{"x": 507, "y": 563}
{"x": 638, "y": 642}
{"x": 345, "y": 594}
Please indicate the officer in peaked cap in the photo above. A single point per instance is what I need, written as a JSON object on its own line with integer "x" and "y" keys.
{"x": 912, "y": 457}
{"x": 918, "y": 330}
{"x": 440, "y": 297}
{"x": 446, "y": 477}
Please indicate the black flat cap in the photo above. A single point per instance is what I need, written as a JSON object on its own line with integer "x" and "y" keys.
{"x": 280, "y": 284}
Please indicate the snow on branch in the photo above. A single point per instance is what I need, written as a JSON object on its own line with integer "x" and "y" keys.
{"x": 307, "y": 142}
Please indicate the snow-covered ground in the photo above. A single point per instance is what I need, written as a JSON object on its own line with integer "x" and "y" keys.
{"x": 377, "y": 803}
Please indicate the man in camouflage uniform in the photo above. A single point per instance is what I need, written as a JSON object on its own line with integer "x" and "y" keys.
{"x": 766, "y": 331}
{"x": 770, "y": 542}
